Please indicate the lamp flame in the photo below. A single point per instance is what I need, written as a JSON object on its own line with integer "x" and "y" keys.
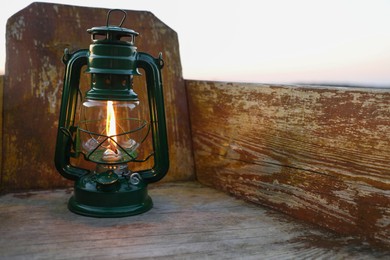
{"x": 111, "y": 127}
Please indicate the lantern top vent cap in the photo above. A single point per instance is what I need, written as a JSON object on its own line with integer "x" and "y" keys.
{"x": 112, "y": 32}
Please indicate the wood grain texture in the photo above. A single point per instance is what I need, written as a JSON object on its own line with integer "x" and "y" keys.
{"x": 319, "y": 154}
{"x": 36, "y": 38}
{"x": 188, "y": 221}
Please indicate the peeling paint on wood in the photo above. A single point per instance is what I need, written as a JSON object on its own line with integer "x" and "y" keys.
{"x": 319, "y": 154}
{"x": 36, "y": 38}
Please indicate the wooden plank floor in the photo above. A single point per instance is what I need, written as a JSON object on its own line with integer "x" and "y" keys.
{"x": 188, "y": 221}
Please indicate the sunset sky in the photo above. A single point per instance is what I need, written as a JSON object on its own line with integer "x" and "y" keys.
{"x": 275, "y": 41}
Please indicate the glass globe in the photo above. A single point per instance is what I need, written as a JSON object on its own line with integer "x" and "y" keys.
{"x": 110, "y": 132}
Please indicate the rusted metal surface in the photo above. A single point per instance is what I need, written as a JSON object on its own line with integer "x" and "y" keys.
{"x": 319, "y": 154}
{"x": 36, "y": 38}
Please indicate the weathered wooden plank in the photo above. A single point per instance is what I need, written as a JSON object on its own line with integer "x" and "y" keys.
{"x": 188, "y": 221}
{"x": 36, "y": 39}
{"x": 318, "y": 154}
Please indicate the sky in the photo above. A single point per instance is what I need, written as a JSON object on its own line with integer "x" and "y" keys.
{"x": 267, "y": 41}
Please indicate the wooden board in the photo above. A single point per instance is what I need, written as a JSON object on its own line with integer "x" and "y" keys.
{"x": 319, "y": 154}
{"x": 188, "y": 221}
{"x": 36, "y": 38}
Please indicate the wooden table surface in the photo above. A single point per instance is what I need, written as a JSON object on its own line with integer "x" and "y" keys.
{"x": 188, "y": 221}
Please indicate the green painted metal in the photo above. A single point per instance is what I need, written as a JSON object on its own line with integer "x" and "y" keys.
{"x": 112, "y": 59}
{"x": 120, "y": 200}
{"x": 112, "y": 63}
{"x": 66, "y": 122}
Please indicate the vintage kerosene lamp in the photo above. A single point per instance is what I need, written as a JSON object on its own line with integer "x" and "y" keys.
{"x": 110, "y": 131}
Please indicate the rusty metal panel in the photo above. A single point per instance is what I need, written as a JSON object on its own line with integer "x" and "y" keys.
{"x": 319, "y": 154}
{"x": 36, "y": 38}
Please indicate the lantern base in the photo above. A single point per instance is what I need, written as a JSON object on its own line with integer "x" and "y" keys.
{"x": 126, "y": 200}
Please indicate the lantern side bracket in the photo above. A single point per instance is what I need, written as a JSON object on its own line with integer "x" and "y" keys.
{"x": 74, "y": 64}
{"x": 152, "y": 67}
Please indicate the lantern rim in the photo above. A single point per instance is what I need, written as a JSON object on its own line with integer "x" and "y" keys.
{"x": 111, "y": 94}
{"x": 110, "y": 28}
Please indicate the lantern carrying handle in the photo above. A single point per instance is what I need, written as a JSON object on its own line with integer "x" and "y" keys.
{"x": 114, "y": 10}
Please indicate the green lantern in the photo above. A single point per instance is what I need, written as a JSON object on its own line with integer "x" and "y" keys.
{"x": 109, "y": 131}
